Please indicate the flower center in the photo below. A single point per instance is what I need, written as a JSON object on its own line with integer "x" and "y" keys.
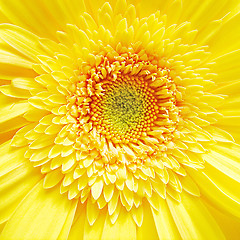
{"x": 125, "y": 100}
{"x": 126, "y": 110}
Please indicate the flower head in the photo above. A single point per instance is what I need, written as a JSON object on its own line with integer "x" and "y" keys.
{"x": 117, "y": 122}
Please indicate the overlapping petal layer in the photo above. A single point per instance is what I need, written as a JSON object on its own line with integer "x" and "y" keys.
{"x": 127, "y": 111}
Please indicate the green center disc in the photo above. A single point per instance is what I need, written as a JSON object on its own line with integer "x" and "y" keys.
{"x": 124, "y": 107}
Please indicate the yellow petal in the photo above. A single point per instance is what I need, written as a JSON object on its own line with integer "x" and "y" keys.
{"x": 55, "y": 151}
{"x": 92, "y": 212}
{"x": 228, "y": 224}
{"x": 227, "y": 68}
{"x": 97, "y": 188}
{"x": 7, "y": 57}
{"x": 42, "y": 211}
{"x": 164, "y": 222}
{"x": 227, "y": 36}
{"x": 42, "y": 142}
{"x": 12, "y": 110}
{"x": 214, "y": 194}
{"x": 148, "y": 229}
{"x": 21, "y": 39}
{"x": 225, "y": 158}
{"x": 19, "y": 140}
{"x": 69, "y": 221}
{"x": 39, "y": 154}
{"x": 11, "y": 157}
{"x": 108, "y": 191}
{"x": 137, "y": 214}
{"x": 95, "y": 231}
{"x": 77, "y": 230}
{"x": 193, "y": 219}
{"x": 52, "y": 178}
{"x": 12, "y": 124}
{"x": 113, "y": 202}
{"x": 123, "y": 229}
{"x": 224, "y": 182}
{"x": 14, "y": 187}
{"x": 190, "y": 186}
{"x": 12, "y": 64}
{"x": 34, "y": 18}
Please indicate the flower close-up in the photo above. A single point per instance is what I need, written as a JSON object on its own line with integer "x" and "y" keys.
{"x": 119, "y": 120}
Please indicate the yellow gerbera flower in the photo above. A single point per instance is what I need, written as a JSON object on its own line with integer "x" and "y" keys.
{"x": 119, "y": 120}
